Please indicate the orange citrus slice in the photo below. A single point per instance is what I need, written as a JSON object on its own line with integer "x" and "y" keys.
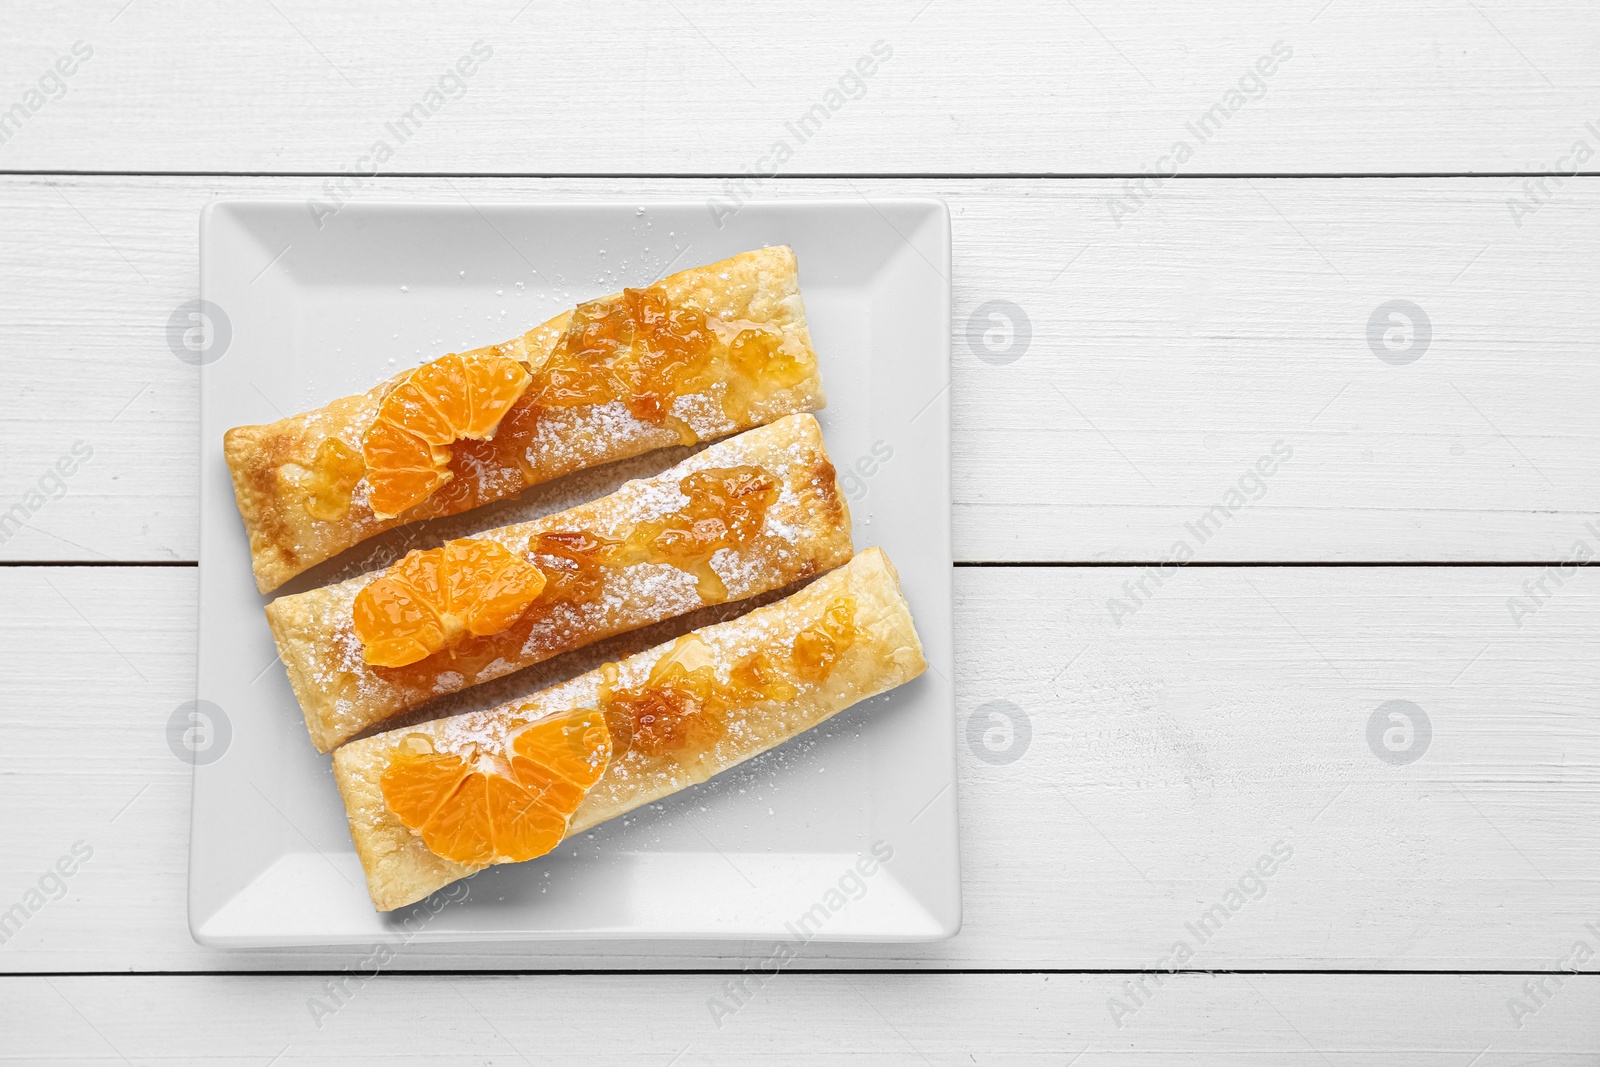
{"x": 498, "y": 809}
{"x": 407, "y": 449}
{"x": 432, "y": 599}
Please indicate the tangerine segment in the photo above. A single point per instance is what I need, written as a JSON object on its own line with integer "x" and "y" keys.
{"x": 432, "y": 599}
{"x": 575, "y": 747}
{"x": 486, "y": 809}
{"x": 417, "y": 781}
{"x": 407, "y": 450}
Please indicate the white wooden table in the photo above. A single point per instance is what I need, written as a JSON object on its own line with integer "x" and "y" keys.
{"x": 1436, "y": 153}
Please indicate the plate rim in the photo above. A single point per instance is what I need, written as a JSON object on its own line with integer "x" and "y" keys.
{"x": 948, "y": 925}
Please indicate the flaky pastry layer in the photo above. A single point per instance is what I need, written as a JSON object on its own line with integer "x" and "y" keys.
{"x": 806, "y": 531}
{"x": 886, "y": 653}
{"x": 270, "y": 463}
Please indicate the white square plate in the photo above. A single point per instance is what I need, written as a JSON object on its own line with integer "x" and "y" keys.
{"x": 301, "y": 313}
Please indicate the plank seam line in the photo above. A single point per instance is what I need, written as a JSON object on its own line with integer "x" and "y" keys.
{"x": 98, "y": 563}
{"x": 1225, "y": 564}
{"x": 719, "y": 971}
{"x": 820, "y": 176}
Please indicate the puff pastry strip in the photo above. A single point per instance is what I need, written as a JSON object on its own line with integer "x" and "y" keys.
{"x": 271, "y": 463}
{"x": 886, "y": 653}
{"x": 806, "y": 531}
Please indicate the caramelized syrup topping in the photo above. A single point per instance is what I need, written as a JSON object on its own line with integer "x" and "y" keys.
{"x": 334, "y": 474}
{"x": 684, "y": 705}
{"x": 674, "y": 352}
{"x": 571, "y": 562}
{"x": 643, "y": 350}
{"x": 818, "y": 647}
{"x": 727, "y": 508}
{"x": 636, "y": 348}
{"x": 760, "y": 366}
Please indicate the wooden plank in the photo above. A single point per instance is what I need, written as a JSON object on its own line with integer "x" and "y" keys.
{"x": 1167, "y": 355}
{"x": 1226, "y": 717}
{"x": 1356, "y": 86}
{"x": 1310, "y": 1020}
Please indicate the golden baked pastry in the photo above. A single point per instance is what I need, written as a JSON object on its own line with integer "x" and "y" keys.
{"x": 744, "y": 516}
{"x": 704, "y": 353}
{"x": 508, "y": 784}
